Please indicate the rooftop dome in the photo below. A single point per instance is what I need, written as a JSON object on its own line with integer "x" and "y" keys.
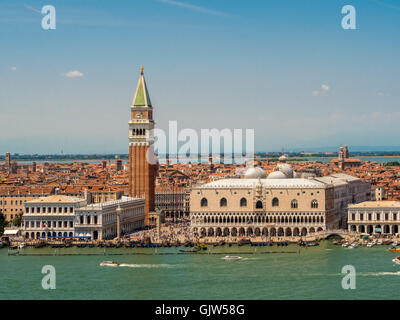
{"x": 255, "y": 173}
{"x": 276, "y": 175}
{"x": 282, "y": 158}
{"x": 285, "y": 168}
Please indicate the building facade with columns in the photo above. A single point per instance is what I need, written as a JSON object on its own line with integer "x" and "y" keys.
{"x": 273, "y": 207}
{"x": 277, "y": 205}
{"x": 102, "y": 221}
{"x": 50, "y": 217}
{"x": 374, "y": 217}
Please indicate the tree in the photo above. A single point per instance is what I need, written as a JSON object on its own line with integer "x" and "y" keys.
{"x": 3, "y": 223}
{"x": 17, "y": 221}
{"x": 393, "y": 164}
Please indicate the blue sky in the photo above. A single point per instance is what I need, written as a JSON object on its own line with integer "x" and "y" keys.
{"x": 285, "y": 68}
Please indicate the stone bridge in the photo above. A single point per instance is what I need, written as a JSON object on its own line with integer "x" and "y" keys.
{"x": 335, "y": 232}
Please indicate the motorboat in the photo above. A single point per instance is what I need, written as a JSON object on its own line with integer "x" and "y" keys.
{"x": 232, "y": 258}
{"x": 345, "y": 245}
{"x": 371, "y": 244}
{"x": 353, "y": 245}
{"x": 312, "y": 244}
{"x": 396, "y": 260}
{"x": 109, "y": 264}
{"x": 394, "y": 249}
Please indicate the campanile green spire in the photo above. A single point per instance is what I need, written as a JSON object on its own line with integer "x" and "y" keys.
{"x": 142, "y": 97}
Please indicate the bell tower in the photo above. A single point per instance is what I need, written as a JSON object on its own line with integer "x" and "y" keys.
{"x": 142, "y": 163}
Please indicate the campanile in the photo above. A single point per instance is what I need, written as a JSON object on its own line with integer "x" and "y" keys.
{"x": 142, "y": 163}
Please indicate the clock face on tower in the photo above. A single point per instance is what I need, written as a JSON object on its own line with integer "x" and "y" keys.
{"x": 139, "y": 115}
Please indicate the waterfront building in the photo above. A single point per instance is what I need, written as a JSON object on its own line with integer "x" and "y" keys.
{"x": 142, "y": 162}
{"x": 279, "y": 204}
{"x": 49, "y": 217}
{"x": 347, "y": 190}
{"x": 174, "y": 202}
{"x": 374, "y": 217}
{"x": 101, "y": 220}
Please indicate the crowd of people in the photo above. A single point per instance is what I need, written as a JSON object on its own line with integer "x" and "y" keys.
{"x": 171, "y": 231}
{"x": 179, "y": 232}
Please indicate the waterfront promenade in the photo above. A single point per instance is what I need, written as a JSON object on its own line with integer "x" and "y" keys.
{"x": 176, "y": 234}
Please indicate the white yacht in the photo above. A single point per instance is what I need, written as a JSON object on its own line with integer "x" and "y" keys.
{"x": 232, "y": 258}
{"x": 109, "y": 264}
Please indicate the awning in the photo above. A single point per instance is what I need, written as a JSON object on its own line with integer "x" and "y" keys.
{"x": 11, "y": 232}
{"x": 378, "y": 230}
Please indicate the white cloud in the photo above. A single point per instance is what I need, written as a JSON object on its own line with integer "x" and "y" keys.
{"x": 13, "y": 68}
{"x": 73, "y": 74}
{"x": 33, "y": 9}
{"x": 193, "y": 7}
{"x": 324, "y": 89}
{"x": 383, "y": 94}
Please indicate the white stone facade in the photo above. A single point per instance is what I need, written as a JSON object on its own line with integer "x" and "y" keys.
{"x": 374, "y": 217}
{"x": 99, "y": 221}
{"x": 273, "y": 207}
{"x": 50, "y": 217}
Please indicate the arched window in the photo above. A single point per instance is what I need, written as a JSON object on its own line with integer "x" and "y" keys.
{"x": 204, "y": 202}
{"x": 243, "y": 202}
{"x": 223, "y": 202}
{"x": 294, "y": 204}
{"x": 259, "y": 204}
{"x": 314, "y": 204}
{"x": 275, "y": 202}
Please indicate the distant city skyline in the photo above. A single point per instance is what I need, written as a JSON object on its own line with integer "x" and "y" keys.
{"x": 285, "y": 69}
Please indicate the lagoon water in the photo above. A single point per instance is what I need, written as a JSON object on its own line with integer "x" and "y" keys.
{"x": 283, "y": 273}
{"x": 378, "y": 159}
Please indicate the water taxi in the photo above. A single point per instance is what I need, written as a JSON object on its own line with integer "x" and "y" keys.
{"x": 109, "y": 264}
{"x": 232, "y": 258}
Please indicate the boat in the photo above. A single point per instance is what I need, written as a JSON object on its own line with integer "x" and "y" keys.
{"x": 232, "y": 258}
{"x": 353, "y": 245}
{"x": 109, "y": 264}
{"x": 371, "y": 244}
{"x": 396, "y": 260}
{"x": 194, "y": 250}
{"x": 312, "y": 244}
{"x": 394, "y": 249}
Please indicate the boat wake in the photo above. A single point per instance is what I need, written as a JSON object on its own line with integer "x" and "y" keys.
{"x": 378, "y": 274}
{"x": 127, "y": 265}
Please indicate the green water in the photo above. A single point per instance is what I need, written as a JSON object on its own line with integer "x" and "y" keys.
{"x": 288, "y": 273}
